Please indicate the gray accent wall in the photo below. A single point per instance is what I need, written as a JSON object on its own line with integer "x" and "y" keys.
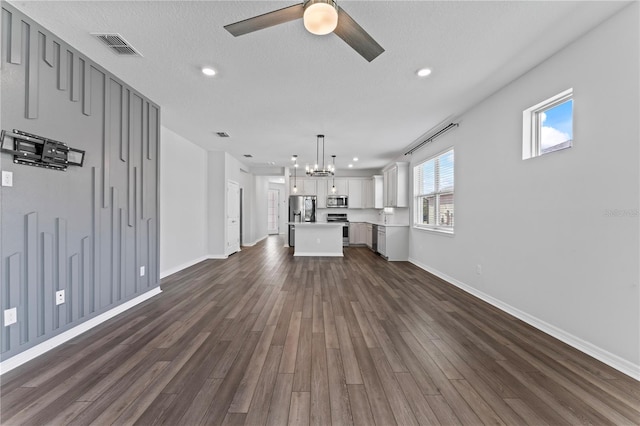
{"x": 90, "y": 229}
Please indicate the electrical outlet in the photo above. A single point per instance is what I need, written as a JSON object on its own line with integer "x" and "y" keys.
{"x": 10, "y": 316}
{"x": 479, "y": 269}
{"x": 142, "y": 271}
{"x": 59, "y": 297}
{"x": 7, "y": 178}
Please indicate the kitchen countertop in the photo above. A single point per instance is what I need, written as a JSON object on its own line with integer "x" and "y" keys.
{"x": 380, "y": 223}
{"x": 316, "y": 223}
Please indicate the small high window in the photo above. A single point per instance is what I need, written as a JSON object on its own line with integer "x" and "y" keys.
{"x": 548, "y": 126}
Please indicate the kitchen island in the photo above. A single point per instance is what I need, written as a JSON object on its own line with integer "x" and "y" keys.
{"x": 318, "y": 239}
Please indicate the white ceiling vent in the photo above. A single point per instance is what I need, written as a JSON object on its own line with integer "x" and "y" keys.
{"x": 117, "y": 44}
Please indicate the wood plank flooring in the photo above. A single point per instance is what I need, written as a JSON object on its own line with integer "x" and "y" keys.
{"x": 264, "y": 338}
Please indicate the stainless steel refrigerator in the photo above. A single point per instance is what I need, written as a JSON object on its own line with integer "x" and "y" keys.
{"x": 302, "y": 208}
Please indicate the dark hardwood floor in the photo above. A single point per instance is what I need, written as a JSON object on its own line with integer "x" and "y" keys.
{"x": 266, "y": 338}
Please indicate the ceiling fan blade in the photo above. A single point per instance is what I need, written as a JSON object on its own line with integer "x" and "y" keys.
{"x": 266, "y": 20}
{"x": 356, "y": 37}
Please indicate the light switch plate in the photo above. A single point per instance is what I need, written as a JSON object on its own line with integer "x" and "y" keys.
{"x": 10, "y": 316}
{"x": 142, "y": 271}
{"x": 7, "y": 178}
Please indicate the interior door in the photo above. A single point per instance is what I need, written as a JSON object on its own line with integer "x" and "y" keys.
{"x": 273, "y": 214}
{"x": 233, "y": 217}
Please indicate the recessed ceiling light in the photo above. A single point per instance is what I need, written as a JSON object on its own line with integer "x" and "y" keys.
{"x": 208, "y": 71}
{"x": 423, "y": 72}
{"x": 350, "y": 165}
{"x": 355, "y": 158}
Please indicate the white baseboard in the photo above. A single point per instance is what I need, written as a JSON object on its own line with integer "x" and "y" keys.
{"x": 179, "y": 268}
{"x": 217, "y": 256}
{"x": 31, "y": 353}
{"x": 256, "y": 241}
{"x": 612, "y": 360}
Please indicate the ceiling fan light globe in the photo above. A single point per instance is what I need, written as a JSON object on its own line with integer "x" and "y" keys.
{"x": 320, "y": 16}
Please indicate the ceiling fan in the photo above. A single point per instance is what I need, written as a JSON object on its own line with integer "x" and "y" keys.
{"x": 320, "y": 17}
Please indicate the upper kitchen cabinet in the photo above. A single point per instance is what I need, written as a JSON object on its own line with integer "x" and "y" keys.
{"x": 341, "y": 184}
{"x": 396, "y": 185}
{"x": 306, "y": 186}
{"x": 374, "y": 192}
{"x": 356, "y": 195}
{"x": 322, "y": 187}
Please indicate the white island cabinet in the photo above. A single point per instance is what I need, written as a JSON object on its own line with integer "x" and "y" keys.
{"x": 318, "y": 239}
{"x": 393, "y": 241}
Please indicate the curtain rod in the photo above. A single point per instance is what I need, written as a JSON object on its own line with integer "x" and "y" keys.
{"x": 432, "y": 137}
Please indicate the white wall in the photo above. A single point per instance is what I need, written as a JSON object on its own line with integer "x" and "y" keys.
{"x": 540, "y": 227}
{"x": 261, "y": 207}
{"x": 183, "y": 195}
{"x": 216, "y": 204}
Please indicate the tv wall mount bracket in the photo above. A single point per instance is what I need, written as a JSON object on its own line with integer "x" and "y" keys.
{"x": 38, "y": 151}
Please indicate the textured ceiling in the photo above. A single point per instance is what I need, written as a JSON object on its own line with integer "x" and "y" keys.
{"x": 279, "y": 87}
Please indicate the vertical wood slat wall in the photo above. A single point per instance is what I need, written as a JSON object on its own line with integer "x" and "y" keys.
{"x": 87, "y": 230}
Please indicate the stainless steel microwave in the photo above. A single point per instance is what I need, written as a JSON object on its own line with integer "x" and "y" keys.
{"x": 337, "y": 201}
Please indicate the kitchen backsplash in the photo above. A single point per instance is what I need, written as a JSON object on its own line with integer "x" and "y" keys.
{"x": 399, "y": 215}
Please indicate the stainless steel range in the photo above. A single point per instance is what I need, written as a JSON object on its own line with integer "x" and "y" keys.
{"x": 341, "y": 217}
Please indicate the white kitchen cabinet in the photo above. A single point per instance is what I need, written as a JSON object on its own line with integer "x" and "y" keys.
{"x": 369, "y": 235}
{"x": 342, "y": 186}
{"x": 306, "y": 186}
{"x": 382, "y": 241}
{"x": 367, "y": 193}
{"x": 378, "y": 191}
{"x": 321, "y": 200}
{"x": 393, "y": 242}
{"x": 356, "y": 196}
{"x": 373, "y": 190}
{"x": 396, "y": 185}
{"x": 357, "y": 233}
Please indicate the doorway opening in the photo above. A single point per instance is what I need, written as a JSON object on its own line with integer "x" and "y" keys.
{"x": 273, "y": 215}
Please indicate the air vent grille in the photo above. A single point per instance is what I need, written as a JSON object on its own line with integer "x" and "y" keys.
{"x": 248, "y": 155}
{"x": 117, "y": 44}
{"x": 222, "y": 134}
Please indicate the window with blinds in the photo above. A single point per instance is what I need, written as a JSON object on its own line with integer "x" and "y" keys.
{"x": 433, "y": 189}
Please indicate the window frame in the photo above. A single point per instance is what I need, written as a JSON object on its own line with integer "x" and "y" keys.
{"x": 436, "y": 194}
{"x": 531, "y": 144}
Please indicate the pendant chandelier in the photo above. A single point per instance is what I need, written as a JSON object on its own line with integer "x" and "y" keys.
{"x": 317, "y": 170}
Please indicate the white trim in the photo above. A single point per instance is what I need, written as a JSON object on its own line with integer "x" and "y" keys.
{"x": 530, "y": 124}
{"x": 47, "y": 345}
{"x": 257, "y": 241}
{"x": 179, "y": 268}
{"x": 217, "y": 256}
{"x": 624, "y": 366}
